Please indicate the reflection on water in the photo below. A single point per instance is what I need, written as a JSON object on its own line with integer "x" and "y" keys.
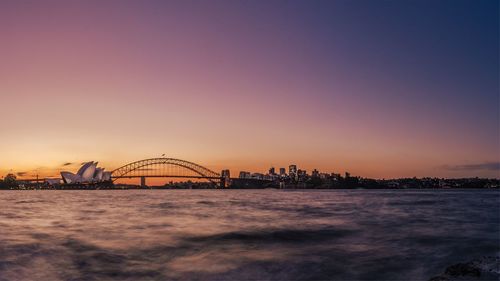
{"x": 243, "y": 235}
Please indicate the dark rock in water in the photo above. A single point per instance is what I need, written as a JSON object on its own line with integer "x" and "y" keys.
{"x": 463, "y": 269}
{"x": 486, "y": 268}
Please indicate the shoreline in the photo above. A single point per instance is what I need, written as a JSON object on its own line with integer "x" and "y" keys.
{"x": 266, "y": 188}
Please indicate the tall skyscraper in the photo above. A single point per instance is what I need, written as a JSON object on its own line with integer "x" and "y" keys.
{"x": 292, "y": 172}
{"x": 272, "y": 171}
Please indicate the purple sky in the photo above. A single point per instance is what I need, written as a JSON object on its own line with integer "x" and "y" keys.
{"x": 376, "y": 88}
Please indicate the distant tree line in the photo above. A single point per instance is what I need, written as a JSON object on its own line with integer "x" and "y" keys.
{"x": 9, "y": 182}
{"x": 402, "y": 183}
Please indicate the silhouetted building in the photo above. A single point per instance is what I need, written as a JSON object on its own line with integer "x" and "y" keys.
{"x": 324, "y": 175}
{"x": 257, "y": 176}
{"x": 336, "y": 177}
{"x": 315, "y": 173}
{"x": 272, "y": 171}
{"x": 282, "y": 172}
{"x": 245, "y": 175}
{"x": 301, "y": 175}
{"x": 292, "y": 172}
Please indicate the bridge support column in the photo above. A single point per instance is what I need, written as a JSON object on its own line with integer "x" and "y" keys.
{"x": 143, "y": 181}
{"x": 222, "y": 182}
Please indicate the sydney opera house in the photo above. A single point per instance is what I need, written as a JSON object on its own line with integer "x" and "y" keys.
{"x": 88, "y": 173}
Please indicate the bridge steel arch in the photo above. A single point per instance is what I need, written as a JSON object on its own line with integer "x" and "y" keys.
{"x": 140, "y": 169}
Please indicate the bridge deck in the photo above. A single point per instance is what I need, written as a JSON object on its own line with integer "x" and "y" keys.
{"x": 163, "y": 176}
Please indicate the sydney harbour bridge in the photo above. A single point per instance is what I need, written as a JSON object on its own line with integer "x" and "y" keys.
{"x": 167, "y": 168}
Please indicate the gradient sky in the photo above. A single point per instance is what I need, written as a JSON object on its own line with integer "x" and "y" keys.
{"x": 377, "y": 88}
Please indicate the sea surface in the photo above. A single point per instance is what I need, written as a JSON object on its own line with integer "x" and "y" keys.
{"x": 244, "y": 234}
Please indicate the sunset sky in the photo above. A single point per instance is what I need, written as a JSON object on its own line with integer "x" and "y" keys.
{"x": 377, "y": 88}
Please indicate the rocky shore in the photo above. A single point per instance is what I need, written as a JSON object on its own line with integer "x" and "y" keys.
{"x": 485, "y": 268}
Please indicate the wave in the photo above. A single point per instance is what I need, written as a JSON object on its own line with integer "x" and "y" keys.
{"x": 274, "y": 236}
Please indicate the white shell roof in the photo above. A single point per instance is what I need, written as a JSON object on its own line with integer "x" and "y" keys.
{"x": 98, "y": 174}
{"x": 84, "y": 167}
{"x": 69, "y": 177}
{"x": 87, "y": 173}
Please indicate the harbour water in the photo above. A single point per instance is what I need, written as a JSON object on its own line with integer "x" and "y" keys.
{"x": 244, "y": 234}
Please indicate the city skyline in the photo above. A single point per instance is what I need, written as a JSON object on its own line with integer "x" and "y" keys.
{"x": 250, "y": 85}
{"x": 290, "y": 170}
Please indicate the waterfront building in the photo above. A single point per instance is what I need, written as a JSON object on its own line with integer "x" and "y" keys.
{"x": 335, "y": 177}
{"x": 257, "y": 176}
{"x": 301, "y": 175}
{"x": 88, "y": 173}
{"x": 292, "y": 172}
{"x": 315, "y": 173}
{"x": 324, "y": 176}
{"x": 282, "y": 172}
{"x": 245, "y": 175}
{"x": 272, "y": 171}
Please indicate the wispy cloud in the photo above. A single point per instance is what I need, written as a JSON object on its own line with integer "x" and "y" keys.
{"x": 21, "y": 174}
{"x": 490, "y": 166}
